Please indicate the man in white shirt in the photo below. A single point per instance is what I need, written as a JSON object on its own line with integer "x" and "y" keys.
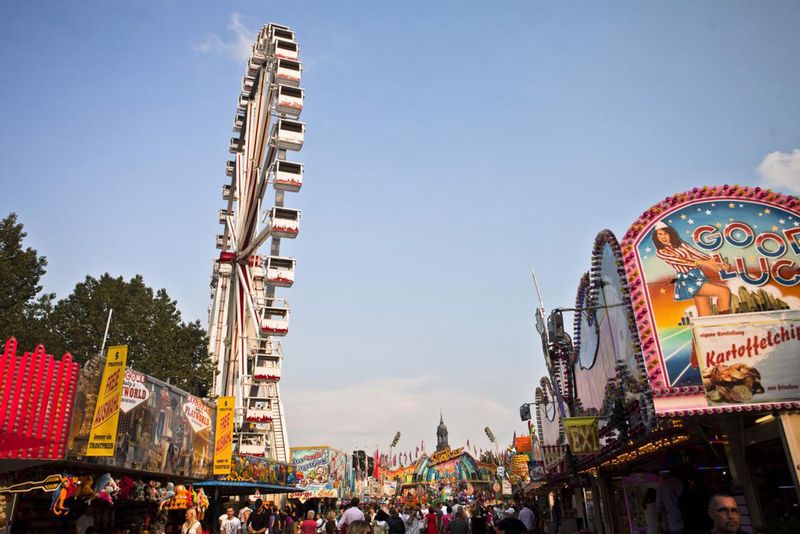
{"x": 229, "y": 523}
{"x": 411, "y": 519}
{"x": 353, "y": 513}
{"x": 526, "y": 516}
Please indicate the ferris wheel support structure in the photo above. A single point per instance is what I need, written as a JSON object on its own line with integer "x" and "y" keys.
{"x": 246, "y": 318}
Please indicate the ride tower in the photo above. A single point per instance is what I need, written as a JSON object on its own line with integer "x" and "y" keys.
{"x": 246, "y": 318}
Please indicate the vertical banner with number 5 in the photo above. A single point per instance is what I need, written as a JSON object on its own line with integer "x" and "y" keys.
{"x": 103, "y": 435}
{"x": 223, "y": 436}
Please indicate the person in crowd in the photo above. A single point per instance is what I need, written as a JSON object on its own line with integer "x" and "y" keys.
{"x": 526, "y": 516}
{"x": 395, "y": 524}
{"x": 510, "y": 511}
{"x": 432, "y": 521}
{"x": 511, "y": 525}
{"x": 445, "y": 518}
{"x": 538, "y": 518}
{"x": 353, "y": 513}
{"x": 411, "y": 519}
{"x": 457, "y": 525}
{"x": 491, "y": 516}
{"x": 191, "y": 525}
{"x": 668, "y": 501}
{"x": 258, "y": 522}
{"x": 330, "y": 523}
{"x": 477, "y": 520}
{"x": 358, "y": 526}
{"x": 309, "y": 525}
{"x": 555, "y": 516}
{"x": 244, "y": 515}
{"x": 724, "y": 512}
{"x": 279, "y": 525}
{"x": 229, "y": 523}
{"x": 380, "y": 520}
{"x": 651, "y": 515}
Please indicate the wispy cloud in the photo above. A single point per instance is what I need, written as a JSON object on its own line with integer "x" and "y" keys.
{"x": 368, "y": 413}
{"x": 781, "y": 170}
{"x": 237, "y": 45}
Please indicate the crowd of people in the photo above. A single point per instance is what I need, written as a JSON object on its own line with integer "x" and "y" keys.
{"x": 449, "y": 517}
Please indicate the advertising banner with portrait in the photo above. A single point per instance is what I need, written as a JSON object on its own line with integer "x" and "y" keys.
{"x": 320, "y": 471}
{"x": 161, "y": 428}
{"x": 260, "y": 469}
{"x": 712, "y": 267}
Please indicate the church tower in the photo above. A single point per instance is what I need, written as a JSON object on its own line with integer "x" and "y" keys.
{"x": 441, "y": 435}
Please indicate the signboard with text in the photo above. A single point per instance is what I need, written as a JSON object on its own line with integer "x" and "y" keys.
{"x": 103, "y": 435}
{"x": 696, "y": 261}
{"x": 223, "y": 436}
{"x": 750, "y": 358}
{"x": 582, "y": 435}
{"x": 320, "y": 471}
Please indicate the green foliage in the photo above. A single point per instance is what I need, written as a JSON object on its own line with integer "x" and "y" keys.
{"x": 22, "y": 313}
{"x": 159, "y": 342}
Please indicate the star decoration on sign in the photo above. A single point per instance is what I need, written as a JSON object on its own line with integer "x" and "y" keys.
{"x": 662, "y": 291}
{"x": 683, "y": 216}
{"x": 718, "y": 225}
{"x": 767, "y": 211}
{"x": 708, "y": 212}
{"x": 647, "y": 249}
{"x": 782, "y": 221}
{"x": 690, "y": 221}
{"x": 731, "y": 205}
{"x": 774, "y": 228}
{"x": 796, "y": 223}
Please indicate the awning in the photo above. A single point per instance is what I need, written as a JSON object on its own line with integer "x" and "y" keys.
{"x": 234, "y": 487}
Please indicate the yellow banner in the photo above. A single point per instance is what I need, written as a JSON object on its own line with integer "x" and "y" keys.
{"x": 582, "y": 435}
{"x": 223, "y": 436}
{"x": 103, "y": 435}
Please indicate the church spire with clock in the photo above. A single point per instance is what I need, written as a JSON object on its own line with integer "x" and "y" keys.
{"x": 441, "y": 435}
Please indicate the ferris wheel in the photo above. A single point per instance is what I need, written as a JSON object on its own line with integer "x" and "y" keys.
{"x": 246, "y": 318}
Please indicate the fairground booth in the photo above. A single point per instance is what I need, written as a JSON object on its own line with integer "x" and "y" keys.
{"x": 122, "y": 447}
{"x": 683, "y": 363}
{"x": 324, "y": 475}
{"x": 441, "y": 475}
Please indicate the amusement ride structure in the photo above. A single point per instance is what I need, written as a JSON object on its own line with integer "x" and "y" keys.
{"x": 246, "y": 318}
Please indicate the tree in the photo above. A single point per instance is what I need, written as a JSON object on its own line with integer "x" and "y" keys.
{"x": 159, "y": 342}
{"x": 22, "y": 314}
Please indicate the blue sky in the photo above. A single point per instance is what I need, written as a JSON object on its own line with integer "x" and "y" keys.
{"x": 451, "y": 147}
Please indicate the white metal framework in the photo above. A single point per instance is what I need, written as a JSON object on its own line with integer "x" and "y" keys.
{"x": 245, "y": 316}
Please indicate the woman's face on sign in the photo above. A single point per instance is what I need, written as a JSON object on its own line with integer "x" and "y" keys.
{"x": 662, "y": 236}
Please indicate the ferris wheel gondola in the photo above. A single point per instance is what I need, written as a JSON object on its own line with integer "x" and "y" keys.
{"x": 246, "y": 317}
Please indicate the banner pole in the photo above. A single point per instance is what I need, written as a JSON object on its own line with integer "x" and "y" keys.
{"x": 105, "y": 335}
